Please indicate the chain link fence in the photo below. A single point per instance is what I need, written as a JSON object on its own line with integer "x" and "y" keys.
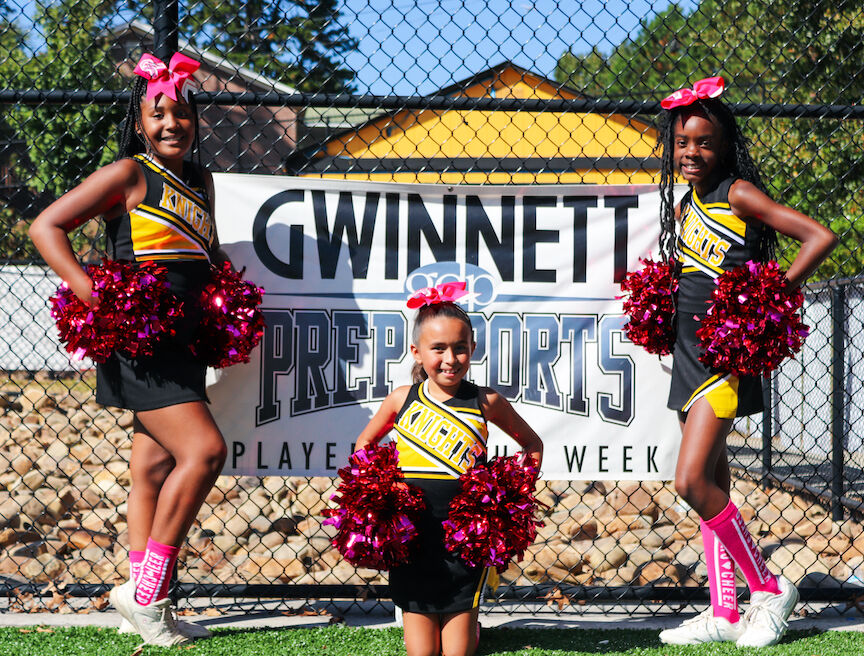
{"x": 445, "y": 92}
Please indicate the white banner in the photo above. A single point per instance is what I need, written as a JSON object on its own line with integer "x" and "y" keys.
{"x": 338, "y": 259}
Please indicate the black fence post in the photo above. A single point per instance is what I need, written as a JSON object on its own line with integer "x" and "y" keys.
{"x": 838, "y": 343}
{"x": 767, "y": 427}
{"x": 165, "y": 22}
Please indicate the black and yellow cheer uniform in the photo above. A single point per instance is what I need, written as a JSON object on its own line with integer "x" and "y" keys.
{"x": 711, "y": 240}
{"x": 437, "y": 442}
{"x": 173, "y": 226}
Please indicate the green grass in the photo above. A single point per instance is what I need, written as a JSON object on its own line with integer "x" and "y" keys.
{"x": 349, "y": 641}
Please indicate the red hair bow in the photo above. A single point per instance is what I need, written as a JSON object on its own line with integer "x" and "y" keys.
{"x": 449, "y": 292}
{"x": 170, "y": 79}
{"x": 710, "y": 87}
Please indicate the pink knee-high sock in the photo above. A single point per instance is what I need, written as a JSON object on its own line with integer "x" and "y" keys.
{"x": 136, "y": 558}
{"x": 729, "y": 528}
{"x": 155, "y": 572}
{"x": 721, "y": 576}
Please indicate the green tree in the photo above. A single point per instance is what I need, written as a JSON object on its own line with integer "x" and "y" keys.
{"x": 787, "y": 51}
{"x": 64, "y": 143}
{"x": 298, "y": 42}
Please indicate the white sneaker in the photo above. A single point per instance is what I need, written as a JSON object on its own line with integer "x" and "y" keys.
{"x": 189, "y": 629}
{"x": 154, "y": 622}
{"x": 766, "y": 619}
{"x": 703, "y": 628}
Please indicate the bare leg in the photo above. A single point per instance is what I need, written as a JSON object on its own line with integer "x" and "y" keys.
{"x": 702, "y": 473}
{"x": 150, "y": 465}
{"x": 422, "y": 634}
{"x": 459, "y": 633}
{"x": 189, "y": 434}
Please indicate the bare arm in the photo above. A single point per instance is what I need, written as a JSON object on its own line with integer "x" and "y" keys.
{"x": 498, "y": 410}
{"x": 106, "y": 192}
{"x": 382, "y": 422}
{"x": 817, "y": 241}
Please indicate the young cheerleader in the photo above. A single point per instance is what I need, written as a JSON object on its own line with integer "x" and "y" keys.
{"x": 156, "y": 206}
{"x": 438, "y": 593}
{"x": 725, "y": 220}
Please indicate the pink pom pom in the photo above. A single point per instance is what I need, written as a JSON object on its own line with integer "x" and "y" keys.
{"x": 754, "y": 322}
{"x": 650, "y": 306}
{"x": 232, "y": 323}
{"x": 135, "y": 309}
{"x": 492, "y": 519}
{"x": 377, "y": 510}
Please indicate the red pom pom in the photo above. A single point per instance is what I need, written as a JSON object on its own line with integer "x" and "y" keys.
{"x": 492, "y": 519}
{"x": 134, "y": 309}
{"x": 650, "y": 306}
{"x": 232, "y": 323}
{"x": 753, "y": 323}
{"x": 377, "y": 510}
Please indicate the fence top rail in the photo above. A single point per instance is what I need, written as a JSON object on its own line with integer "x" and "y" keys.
{"x": 366, "y": 101}
{"x": 833, "y": 283}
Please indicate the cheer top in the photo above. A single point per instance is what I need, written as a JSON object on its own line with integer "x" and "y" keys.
{"x": 440, "y": 439}
{"x": 711, "y": 240}
{"x": 173, "y": 223}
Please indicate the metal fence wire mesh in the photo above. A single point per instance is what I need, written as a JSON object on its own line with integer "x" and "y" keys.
{"x": 444, "y": 92}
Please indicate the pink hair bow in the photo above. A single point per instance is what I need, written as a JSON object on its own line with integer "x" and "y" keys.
{"x": 176, "y": 76}
{"x": 449, "y": 292}
{"x": 710, "y": 87}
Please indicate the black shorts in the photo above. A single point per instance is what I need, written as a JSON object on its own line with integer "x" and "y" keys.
{"x": 435, "y": 580}
{"x": 730, "y": 396}
{"x": 172, "y": 375}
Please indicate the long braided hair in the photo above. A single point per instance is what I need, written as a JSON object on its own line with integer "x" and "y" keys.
{"x": 738, "y": 162}
{"x": 132, "y": 139}
{"x": 426, "y": 312}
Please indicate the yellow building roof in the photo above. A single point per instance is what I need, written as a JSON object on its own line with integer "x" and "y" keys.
{"x": 491, "y": 147}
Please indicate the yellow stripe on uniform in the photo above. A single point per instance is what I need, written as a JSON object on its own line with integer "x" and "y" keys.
{"x": 691, "y": 254}
{"x": 721, "y": 394}
{"x": 430, "y": 455}
{"x": 154, "y": 212}
{"x": 479, "y": 591}
{"x": 472, "y": 427}
{"x": 172, "y": 179}
{"x": 151, "y": 234}
{"x": 727, "y": 218}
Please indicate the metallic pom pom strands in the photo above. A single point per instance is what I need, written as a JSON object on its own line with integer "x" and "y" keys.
{"x": 232, "y": 323}
{"x": 753, "y": 323}
{"x": 492, "y": 519}
{"x": 377, "y": 510}
{"x": 650, "y": 306}
{"x": 134, "y": 309}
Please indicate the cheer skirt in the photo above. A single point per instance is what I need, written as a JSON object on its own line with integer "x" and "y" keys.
{"x": 729, "y": 396}
{"x": 172, "y": 375}
{"x": 435, "y": 580}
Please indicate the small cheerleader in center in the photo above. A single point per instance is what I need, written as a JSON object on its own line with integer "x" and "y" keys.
{"x": 157, "y": 206}
{"x": 440, "y": 425}
{"x": 723, "y": 221}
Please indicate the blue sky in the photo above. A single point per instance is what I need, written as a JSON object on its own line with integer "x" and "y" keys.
{"x": 408, "y": 47}
{"x": 413, "y": 47}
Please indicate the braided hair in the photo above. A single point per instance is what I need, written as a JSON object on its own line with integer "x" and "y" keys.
{"x": 426, "y": 312}
{"x": 738, "y": 163}
{"x": 132, "y": 139}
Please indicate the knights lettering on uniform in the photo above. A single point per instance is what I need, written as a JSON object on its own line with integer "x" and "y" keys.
{"x": 706, "y": 244}
{"x": 443, "y": 436}
{"x": 192, "y": 213}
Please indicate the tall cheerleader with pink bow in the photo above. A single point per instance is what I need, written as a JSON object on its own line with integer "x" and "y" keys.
{"x": 720, "y": 240}
{"x": 156, "y": 201}
{"x": 440, "y": 428}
